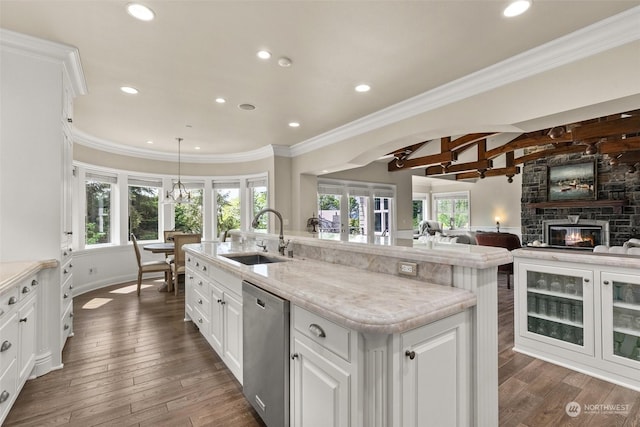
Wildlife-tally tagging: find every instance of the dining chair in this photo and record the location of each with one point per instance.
(150, 266)
(178, 267)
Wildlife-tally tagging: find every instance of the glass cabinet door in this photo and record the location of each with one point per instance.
(621, 318)
(559, 306)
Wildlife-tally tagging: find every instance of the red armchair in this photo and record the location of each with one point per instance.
(501, 240)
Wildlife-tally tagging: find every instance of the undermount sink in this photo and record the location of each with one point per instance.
(253, 259)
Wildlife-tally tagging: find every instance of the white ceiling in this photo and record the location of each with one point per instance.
(195, 51)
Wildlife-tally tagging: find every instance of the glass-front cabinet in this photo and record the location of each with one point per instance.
(559, 306)
(621, 318)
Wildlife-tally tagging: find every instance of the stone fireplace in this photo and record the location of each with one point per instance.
(616, 209)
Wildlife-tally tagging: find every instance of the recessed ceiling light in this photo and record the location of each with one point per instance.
(264, 54)
(284, 62)
(140, 12)
(221, 100)
(294, 124)
(247, 107)
(197, 148)
(363, 88)
(516, 8)
(128, 89)
(149, 142)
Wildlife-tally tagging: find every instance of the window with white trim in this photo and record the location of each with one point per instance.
(452, 210)
(99, 196)
(257, 197)
(143, 208)
(188, 216)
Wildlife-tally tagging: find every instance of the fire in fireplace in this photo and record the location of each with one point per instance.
(575, 233)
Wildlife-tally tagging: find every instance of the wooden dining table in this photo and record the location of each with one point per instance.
(160, 248)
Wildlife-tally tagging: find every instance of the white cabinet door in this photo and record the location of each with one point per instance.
(555, 306)
(621, 318)
(320, 390)
(435, 374)
(188, 294)
(233, 334)
(27, 331)
(216, 330)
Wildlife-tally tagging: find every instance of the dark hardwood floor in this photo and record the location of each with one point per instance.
(134, 362)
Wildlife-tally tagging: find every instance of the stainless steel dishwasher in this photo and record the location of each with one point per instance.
(265, 359)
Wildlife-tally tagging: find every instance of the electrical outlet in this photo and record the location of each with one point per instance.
(408, 268)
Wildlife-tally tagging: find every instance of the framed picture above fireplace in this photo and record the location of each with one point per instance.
(572, 182)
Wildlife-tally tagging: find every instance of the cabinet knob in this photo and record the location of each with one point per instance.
(188, 259)
(66, 326)
(411, 354)
(200, 283)
(71, 314)
(223, 302)
(65, 271)
(317, 330)
(200, 301)
(294, 356)
(197, 264)
(34, 282)
(606, 282)
(219, 301)
(26, 290)
(4, 396)
(5, 346)
(586, 280)
(69, 120)
(12, 300)
(204, 268)
(64, 253)
(66, 295)
(200, 320)
(190, 277)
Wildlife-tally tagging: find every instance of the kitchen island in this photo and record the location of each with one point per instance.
(401, 351)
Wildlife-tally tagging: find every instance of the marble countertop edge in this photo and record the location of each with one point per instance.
(15, 271)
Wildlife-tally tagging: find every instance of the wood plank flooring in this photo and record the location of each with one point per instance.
(135, 362)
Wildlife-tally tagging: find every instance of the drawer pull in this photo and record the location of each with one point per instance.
(223, 302)
(188, 259)
(190, 277)
(204, 268)
(65, 271)
(66, 326)
(317, 330)
(70, 286)
(586, 280)
(200, 320)
(5, 346)
(12, 300)
(200, 283)
(66, 295)
(200, 301)
(606, 282)
(411, 354)
(70, 265)
(64, 253)
(294, 356)
(24, 319)
(34, 282)
(26, 290)
(4, 396)
(197, 264)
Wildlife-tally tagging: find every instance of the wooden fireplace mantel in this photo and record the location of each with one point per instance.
(616, 204)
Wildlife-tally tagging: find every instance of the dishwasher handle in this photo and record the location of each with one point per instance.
(260, 303)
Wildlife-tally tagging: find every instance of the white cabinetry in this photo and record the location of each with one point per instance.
(18, 323)
(435, 374)
(323, 385)
(583, 316)
(213, 301)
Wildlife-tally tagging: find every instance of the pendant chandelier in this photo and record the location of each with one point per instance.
(178, 193)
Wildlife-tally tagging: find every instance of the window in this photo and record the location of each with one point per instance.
(188, 216)
(143, 208)
(418, 212)
(227, 201)
(452, 210)
(258, 200)
(368, 211)
(98, 188)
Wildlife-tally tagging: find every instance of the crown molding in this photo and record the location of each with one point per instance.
(607, 34)
(91, 141)
(39, 48)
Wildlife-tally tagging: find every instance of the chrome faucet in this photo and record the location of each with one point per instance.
(281, 243)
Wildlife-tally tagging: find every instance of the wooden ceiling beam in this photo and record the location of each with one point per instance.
(512, 170)
(468, 139)
(603, 129)
(569, 149)
(619, 145)
(449, 156)
(439, 170)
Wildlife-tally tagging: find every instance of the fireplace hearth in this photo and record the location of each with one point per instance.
(575, 233)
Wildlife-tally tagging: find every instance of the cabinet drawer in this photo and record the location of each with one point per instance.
(201, 302)
(197, 264)
(8, 300)
(324, 332)
(67, 323)
(8, 341)
(8, 388)
(201, 321)
(27, 287)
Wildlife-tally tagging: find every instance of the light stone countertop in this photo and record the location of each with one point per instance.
(580, 257)
(13, 272)
(361, 300)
